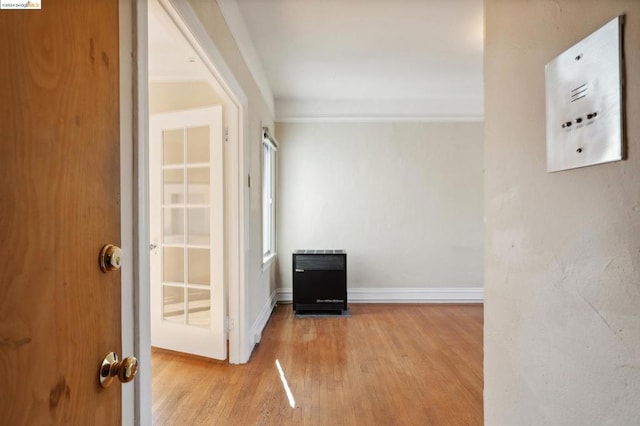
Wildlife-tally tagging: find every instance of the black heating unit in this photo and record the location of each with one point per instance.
(319, 280)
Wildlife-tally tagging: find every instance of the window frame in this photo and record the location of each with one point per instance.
(269, 196)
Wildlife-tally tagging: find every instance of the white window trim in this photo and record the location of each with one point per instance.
(269, 256)
(267, 261)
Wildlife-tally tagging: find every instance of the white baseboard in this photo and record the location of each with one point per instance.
(255, 333)
(284, 295)
(402, 295)
(415, 295)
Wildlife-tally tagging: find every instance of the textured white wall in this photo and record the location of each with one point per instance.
(404, 200)
(562, 250)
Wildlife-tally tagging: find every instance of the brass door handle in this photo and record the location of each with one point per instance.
(112, 367)
(110, 258)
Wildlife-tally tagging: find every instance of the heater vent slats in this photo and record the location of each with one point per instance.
(579, 92)
(320, 262)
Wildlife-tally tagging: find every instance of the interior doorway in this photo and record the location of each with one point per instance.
(183, 78)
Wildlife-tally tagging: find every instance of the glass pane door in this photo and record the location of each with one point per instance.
(188, 306)
(186, 256)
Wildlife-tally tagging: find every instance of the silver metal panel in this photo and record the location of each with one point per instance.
(584, 101)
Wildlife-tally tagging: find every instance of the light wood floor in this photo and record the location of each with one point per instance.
(385, 365)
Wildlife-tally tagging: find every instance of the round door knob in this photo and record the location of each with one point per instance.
(128, 369)
(110, 258)
(112, 367)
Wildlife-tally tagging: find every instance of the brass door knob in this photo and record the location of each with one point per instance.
(112, 367)
(110, 258)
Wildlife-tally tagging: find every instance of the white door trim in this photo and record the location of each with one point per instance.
(128, 83)
(142, 297)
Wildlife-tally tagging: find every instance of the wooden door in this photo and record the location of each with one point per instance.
(59, 204)
(188, 303)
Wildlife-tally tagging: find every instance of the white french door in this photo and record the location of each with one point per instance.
(188, 301)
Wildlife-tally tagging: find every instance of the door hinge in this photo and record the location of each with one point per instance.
(228, 323)
(248, 181)
(226, 135)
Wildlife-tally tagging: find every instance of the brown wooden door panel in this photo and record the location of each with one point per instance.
(59, 203)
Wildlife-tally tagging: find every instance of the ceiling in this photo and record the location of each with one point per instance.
(348, 59)
(171, 57)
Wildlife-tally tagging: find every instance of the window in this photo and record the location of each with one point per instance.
(269, 161)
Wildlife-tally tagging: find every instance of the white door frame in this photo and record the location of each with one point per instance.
(237, 232)
(126, 11)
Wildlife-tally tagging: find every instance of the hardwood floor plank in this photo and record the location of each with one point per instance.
(385, 365)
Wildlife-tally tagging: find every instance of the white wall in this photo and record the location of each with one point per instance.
(404, 200)
(177, 95)
(562, 250)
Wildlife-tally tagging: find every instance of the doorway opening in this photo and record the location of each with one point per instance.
(196, 224)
